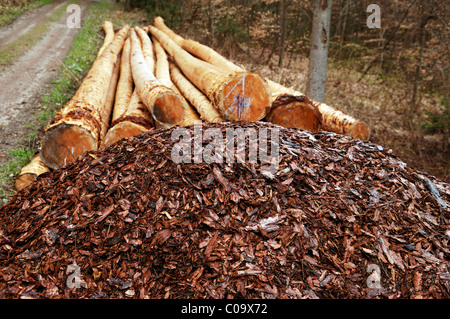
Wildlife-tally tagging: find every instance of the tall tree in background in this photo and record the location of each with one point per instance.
(211, 18)
(318, 57)
(282, 9)
(127, 6)
(426, 13)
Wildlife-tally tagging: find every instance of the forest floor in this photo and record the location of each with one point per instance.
(378, 101)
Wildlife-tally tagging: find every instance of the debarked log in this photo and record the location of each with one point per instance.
(78, 127)
(333, 120)
(133, 121)
(130, 116)
(198, 100)
(166, 106)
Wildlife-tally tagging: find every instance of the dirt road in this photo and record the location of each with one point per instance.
(23, 82)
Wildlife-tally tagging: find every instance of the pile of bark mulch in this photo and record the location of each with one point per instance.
(128, 222)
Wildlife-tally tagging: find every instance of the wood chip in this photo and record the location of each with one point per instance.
(139, 225)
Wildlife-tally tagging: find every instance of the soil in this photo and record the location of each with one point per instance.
(23, 82)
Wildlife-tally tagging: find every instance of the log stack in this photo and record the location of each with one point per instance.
(151, 77)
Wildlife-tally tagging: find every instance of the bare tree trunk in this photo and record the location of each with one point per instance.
(282, 31)
(127, 6)
(211, 17)
(344, 24)
(425, 16)
(318, 58)
(248, 19)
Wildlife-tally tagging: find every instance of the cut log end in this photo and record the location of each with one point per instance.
(24, 180)
(295, 115)
(62, 144)
(30, 172)
(122, 130)
(246, 97)
(295, 111)
(168, 110)
(360, 131)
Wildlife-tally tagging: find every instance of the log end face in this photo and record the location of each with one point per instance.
(360, 130)
(24, 180)
(295, 115)
(63, 143)
(246, 97)
(168, 110)
(123, 130)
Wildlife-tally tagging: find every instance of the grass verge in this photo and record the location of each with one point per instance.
(73, 69)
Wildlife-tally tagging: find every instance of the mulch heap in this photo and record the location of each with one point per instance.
(341, 218)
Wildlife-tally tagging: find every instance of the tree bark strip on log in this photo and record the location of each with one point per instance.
(78, 127)
(239, 96)
(30, 172)
(166, 107)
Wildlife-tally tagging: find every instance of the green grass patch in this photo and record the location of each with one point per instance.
(18, 158)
